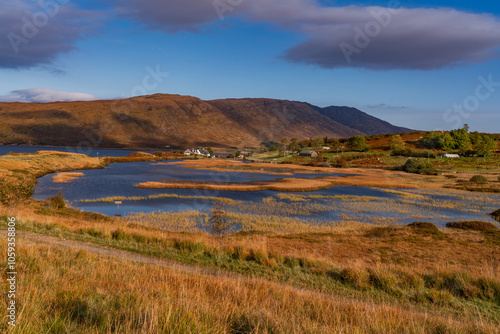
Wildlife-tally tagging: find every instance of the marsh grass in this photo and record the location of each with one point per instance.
(115, 295)
(461, 294)
(320, 209)
(286, 184)
(66, 177)
(395, 265)
(145, 198)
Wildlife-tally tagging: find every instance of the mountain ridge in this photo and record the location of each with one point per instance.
(155, 121)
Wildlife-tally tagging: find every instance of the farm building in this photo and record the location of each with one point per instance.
(196, 151)
(452, 156)
(308, 153)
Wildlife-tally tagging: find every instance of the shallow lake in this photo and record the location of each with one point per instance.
(92, 152)
(340, 203)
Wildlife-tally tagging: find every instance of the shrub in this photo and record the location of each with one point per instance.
(382, 280)
(472, 225)
(119, 234)
(218, 222)
(339, 163)
(355, 277)
(12, 193)
(381, 232)
(479, 179)
(56, 202)
(291, 262)
(419, 167)
(240, 253)
(92, 232)
(409, 152)
(358, 143)
(278, 257)
(140, 238)
(259, 256)
(496, 215)
(423, 227)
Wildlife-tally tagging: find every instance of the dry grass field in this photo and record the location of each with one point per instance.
(277, 275)
(355, 278)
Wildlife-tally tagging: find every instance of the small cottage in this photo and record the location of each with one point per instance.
(308, 153)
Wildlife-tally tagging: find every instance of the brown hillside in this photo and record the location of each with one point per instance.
(159, 120)
(269, 119)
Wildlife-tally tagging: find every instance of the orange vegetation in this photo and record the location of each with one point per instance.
(66, 177)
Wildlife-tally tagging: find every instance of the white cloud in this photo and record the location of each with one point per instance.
(44, 95)
(36, 32)
(407, 38)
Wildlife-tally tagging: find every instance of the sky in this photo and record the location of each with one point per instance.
(427, 65)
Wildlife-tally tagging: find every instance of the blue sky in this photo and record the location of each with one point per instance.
(428, 64)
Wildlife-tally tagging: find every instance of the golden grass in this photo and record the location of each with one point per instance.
(115, 295)
(404, 194)
(353, 177)
(29, 166)
(145, 198)
(386, 252)
(292, 184)
(66, 177)
(240, 166)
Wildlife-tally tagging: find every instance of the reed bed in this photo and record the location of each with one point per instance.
(239, 166)
(66, 177)
(145, 198)
(290, 184)
(270, 206)
(185, 221)
(366, 209)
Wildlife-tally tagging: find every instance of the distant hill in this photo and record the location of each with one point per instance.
(356, 119)
(158, 120)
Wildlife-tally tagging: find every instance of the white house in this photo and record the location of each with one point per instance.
(451, 156)
(196, 151)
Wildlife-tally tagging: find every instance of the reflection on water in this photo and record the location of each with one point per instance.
(336, 203)
(92, 152)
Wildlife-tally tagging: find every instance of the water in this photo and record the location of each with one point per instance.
(94, 152)
(368, 204)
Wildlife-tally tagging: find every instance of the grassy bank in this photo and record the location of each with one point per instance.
(117, 296)
(443, 280)
(278, 275)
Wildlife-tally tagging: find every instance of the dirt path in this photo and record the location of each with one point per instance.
(28, 237)
(101, 250)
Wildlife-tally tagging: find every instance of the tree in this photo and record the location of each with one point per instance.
(317, 142)
(284, 142)
(431, 140)
(397, 144)
(218, 223)
(334, 142)
(462, 139)
(294, 146)
(446, 142)
(485, 145)
(210, 150)
(358, 143)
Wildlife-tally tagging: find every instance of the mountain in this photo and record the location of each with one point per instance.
(158, 120)
(356, 119)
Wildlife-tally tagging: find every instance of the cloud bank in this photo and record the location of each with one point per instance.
(374, 38)
(32, 35)
(354, 36)
(44, 95)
